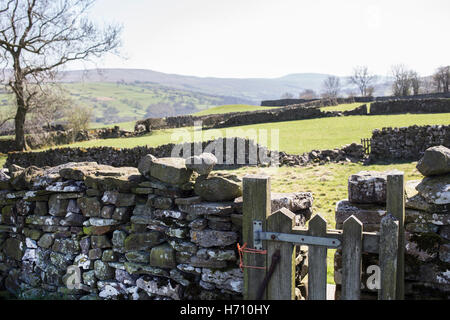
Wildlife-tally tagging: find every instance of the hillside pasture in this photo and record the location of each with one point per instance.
(295, 137)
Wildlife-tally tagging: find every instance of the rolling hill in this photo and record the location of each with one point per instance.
(122, 102)
(124, 95)
(253, 89)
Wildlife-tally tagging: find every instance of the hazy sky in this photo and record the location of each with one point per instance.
(272, 38)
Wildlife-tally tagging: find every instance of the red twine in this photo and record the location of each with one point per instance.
(243, 250)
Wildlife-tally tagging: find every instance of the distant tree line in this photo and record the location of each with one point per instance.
(405, 82)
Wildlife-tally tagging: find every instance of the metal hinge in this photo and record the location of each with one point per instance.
(259, 236)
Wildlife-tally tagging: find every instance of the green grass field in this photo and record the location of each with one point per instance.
(231, 108)
(295, 137)
(344, 107)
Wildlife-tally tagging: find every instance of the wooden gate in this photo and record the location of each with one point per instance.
(367, 145)
(270, 236)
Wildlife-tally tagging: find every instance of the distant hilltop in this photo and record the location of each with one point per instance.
(254, 89)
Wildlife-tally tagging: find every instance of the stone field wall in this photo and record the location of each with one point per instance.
(436, 105)
(407, 143)
(305, 110)
(284, 102)
(55, 138)
(166, 230)
(130, 157)
(287, 102)
(418, 96)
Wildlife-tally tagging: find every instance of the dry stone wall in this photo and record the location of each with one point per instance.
(436, 105)
(305, 110)
(414, 97)
(287, 102)
(160, 231)
(407, 143)
(130, 157)
(61, 137)
(284, 102)
(230, 152)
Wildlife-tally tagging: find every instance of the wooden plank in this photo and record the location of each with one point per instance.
(388, 258)
(282, 283)
(370, 239)
(351, 259)
(256, 206)
(317, 258)
(395, 205)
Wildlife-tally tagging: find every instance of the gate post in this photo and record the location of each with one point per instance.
(395, 205)
(256, 206)
(388, 258)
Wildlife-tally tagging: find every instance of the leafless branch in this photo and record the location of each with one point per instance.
(38, 37)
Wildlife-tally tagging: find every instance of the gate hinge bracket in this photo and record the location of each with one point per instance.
(259, 236)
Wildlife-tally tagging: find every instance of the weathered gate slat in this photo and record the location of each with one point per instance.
(388, 258)
(256, 206)
(395, 205)
(282, 283)
(317, 257)
(351, 259)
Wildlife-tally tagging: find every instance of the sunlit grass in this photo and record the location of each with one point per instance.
(231, 108)
(295, 137)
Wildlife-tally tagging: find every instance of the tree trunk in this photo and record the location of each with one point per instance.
(22, 107)
(21, 144)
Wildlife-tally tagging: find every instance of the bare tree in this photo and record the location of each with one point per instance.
(78, 118)
(442, 79)
(48, 106)
(5, 117)
(38, 37)
(415, 81)
(308, 94)
(331, 87)
(287, 95)
(363, 79)
(427, 85)
(402, 80)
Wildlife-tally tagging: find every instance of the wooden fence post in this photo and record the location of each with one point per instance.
(388, 258)
(282, 283)
(317, 258)
(256, 206)
(351, 259)
(395, 205)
